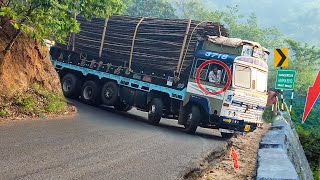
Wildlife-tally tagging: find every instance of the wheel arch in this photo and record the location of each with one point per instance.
(165, 97)
(65, 71)
(202, 103)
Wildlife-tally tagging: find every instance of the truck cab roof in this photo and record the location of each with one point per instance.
(235, 46)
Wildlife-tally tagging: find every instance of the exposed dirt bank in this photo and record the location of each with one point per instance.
(219, 165)
(246, 147)
(29, 85)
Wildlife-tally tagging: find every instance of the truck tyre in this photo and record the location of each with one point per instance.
(226, 135)
(90, 93)
(183, 114)
(120, 106)
(155, 111)
(70, 86)
(193, 120)
(109, 93)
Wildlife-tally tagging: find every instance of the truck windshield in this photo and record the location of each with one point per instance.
(261, 80)
(220, 77)
(242, 76)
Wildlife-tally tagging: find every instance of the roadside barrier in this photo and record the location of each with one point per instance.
(280, 154)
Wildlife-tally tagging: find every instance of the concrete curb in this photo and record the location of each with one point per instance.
(280, 155)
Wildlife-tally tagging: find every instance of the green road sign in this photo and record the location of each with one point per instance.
(285, 79)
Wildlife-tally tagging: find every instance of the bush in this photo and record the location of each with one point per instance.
(37, 100)
(268, 115)
(310, 138)
(4, 112)
(53, 103)
(26, 104)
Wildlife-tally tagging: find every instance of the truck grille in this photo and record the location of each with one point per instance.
(248, 108)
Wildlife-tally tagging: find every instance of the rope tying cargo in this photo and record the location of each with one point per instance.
(185, 54)
(133, 41)
(103, 36)
(183, 46)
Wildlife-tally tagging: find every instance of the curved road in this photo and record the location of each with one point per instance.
(99, 143)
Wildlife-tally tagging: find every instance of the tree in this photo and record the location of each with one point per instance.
(238, 25)
(151, 8)
(194, 9)
(52, 19)
(246, 27)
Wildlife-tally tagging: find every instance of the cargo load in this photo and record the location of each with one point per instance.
(148, 45)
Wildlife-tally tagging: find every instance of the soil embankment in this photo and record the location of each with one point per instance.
(246, 147)
(29, 85)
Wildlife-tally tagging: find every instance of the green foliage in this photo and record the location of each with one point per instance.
(53, 103)
(26, 103)
(306, 61)
(4, 112)
(247, 28)
(53, 19)
(151, 8)
(308, 132)
(239, 26)
(268, 115)
(310, 139)
(39, 100)
(196, 10)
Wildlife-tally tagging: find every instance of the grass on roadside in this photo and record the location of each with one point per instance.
(54, 103)
(35, 101)
(268, 115)
(4, 112)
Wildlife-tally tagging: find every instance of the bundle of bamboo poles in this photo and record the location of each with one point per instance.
(165, 44)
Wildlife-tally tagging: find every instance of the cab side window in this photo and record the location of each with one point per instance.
(204, 72)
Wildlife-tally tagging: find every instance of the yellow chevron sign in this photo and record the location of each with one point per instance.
(281, 58)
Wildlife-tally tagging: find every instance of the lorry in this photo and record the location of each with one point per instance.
(153, 65)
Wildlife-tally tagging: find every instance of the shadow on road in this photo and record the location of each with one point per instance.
(172, 129)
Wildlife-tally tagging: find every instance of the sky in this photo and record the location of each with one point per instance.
(295, 18)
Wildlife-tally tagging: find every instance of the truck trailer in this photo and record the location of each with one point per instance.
(152, 64)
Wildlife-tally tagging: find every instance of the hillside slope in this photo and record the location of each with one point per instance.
(29, 85)
(28, 62)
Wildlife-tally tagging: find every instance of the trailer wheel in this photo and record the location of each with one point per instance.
(120, 106)
(226, 135)
(90, 93)
(155, 111)
(70, 86)
(193, 120)
(109, 93)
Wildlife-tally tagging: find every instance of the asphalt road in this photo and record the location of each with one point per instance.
(99, 143)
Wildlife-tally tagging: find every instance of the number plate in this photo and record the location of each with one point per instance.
(226, 130)
(247, 128)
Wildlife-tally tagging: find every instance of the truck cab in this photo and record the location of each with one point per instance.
(240, 106)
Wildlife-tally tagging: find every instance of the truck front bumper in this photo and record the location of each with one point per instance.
(227, 124)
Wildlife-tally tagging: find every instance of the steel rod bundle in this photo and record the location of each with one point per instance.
(163, 44)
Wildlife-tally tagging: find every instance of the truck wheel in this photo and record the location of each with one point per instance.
(90, 93)
(193, 120)
(226, 135)
(109, 93)
(70, 86)
(155, 111)
(120, 106)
